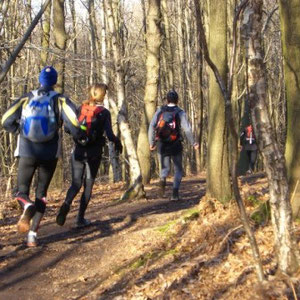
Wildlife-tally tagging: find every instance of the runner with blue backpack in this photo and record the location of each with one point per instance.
(36, 117)
(165, 134)
(95, 119)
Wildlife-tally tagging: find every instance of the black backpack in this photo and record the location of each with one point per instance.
(168, 125)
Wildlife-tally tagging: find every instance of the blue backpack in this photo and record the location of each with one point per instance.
(38, 119)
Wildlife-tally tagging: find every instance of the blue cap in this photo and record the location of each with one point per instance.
(48, 76)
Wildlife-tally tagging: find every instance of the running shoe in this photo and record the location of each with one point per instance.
(62, 214)
(31, 239)
(83, 223)
(24, 221)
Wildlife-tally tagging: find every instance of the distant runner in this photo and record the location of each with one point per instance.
(165, 131)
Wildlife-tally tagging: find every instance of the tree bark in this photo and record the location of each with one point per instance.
(153, 37)
(74, 38)
(281, 212)
(168, 46)
(226, 92)
(92, 21)
(218, 180)
(46, 26)
(181, 54)
(60, 37)
(290, 28)
(114, 159)
(136, 188)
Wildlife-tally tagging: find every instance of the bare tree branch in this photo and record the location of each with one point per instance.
(12, 58)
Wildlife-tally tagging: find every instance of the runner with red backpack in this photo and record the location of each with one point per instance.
(165, 131)
(249, 145)
(95, 120)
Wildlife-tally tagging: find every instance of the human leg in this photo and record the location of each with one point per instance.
(78, 168)
(178, 171)
(164, 172)
(46, 169)
(91, 170)
(252, 160)
(248, 157)
(26, 169)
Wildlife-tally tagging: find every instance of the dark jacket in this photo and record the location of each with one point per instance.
(65, 112)
(93, 148)
(248, 141)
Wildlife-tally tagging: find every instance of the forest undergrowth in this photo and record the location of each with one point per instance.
(147, 249)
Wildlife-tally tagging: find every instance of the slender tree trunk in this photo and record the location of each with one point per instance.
(136, 189)
(218, 180)
(290, 28)
(181, 53)
(45, 36)
(114, 159)
(60, 37)
(4, 9)
(74, 38)
(168, 46)
(92, 21)
(153, 43)
(285, 243)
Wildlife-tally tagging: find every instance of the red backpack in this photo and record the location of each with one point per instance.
(87, 116)
(167, 126)
(250, 137)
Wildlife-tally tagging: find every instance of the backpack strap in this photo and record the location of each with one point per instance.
(160, 115)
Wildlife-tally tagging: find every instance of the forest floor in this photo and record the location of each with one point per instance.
(152, 248)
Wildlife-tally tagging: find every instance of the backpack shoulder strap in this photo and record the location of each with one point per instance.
(160, 115)
(99, 109)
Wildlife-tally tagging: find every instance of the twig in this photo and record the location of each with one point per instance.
(229, 233)
(294, 192)
(293, 289)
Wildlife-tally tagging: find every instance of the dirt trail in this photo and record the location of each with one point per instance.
(81, 264)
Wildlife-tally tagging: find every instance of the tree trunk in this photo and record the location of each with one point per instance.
(74, 38)
(226, 92)
(168, 46)
(4, 9)
(218, 181)
(45, 37)
(60, 37)
(115, 173)
(290, 28)
(153, 37)
(285, 243)
(136, 189)
(92, 21)
(181, 53)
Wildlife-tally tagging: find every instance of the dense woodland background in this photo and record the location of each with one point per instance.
(142, 49)
(87, 55)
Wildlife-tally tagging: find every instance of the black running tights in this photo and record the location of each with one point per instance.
(83, 173)
(26, 169)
